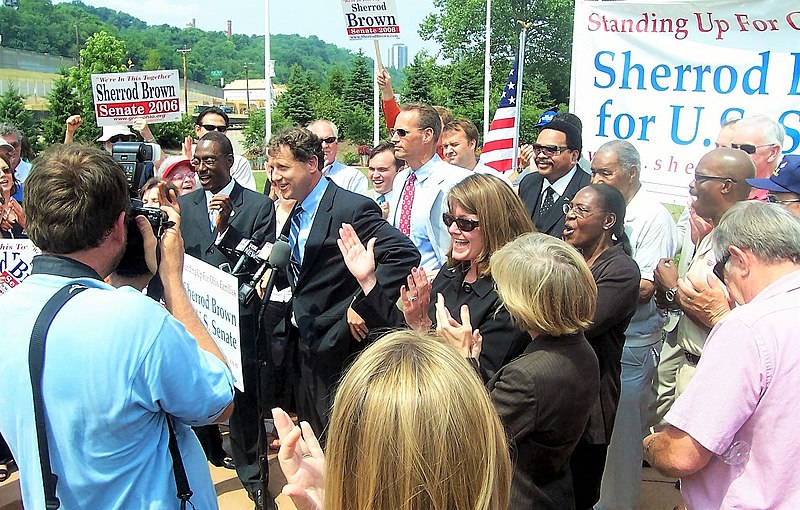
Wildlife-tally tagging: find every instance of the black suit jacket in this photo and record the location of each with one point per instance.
(325, 288)
(530, 191)
(253, 218)
(544, 398)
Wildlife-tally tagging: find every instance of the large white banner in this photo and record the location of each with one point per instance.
(213, 294)
(664, 75)
(121, 98)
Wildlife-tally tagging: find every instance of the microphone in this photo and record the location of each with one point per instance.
(278, 258)
(250, 251)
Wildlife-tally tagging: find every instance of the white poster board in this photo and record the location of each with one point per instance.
(213, 294)
(663, 75)
(15, 262)
(119, 98)
(370, 19)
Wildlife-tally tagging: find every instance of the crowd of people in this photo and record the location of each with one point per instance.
(446, 335)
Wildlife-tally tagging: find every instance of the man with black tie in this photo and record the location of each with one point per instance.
(557, 177)
(224, 211)
(322, 286)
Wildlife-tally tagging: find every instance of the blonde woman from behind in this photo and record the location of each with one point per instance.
(412, 428)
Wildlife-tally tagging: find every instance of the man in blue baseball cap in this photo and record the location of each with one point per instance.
(784, 184)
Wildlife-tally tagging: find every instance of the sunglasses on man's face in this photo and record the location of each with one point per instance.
(330, 140)
(719, 267)
(119, 138)
(548, 150)
(212, 127)
(402, 133)
(748, 147)
(463, 224)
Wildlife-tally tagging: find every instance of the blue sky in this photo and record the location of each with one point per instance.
(322, 18)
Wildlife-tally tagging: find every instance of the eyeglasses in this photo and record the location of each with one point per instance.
(749, 147)
(119, 138)
(548, 150)
(703, 177)
(330, 140)
(463, 224)
(719, 267)
(183, 175)
(212, 127)
(16, 144)
(402, 133)
(774, 200)
(209, 162)
(579, 210)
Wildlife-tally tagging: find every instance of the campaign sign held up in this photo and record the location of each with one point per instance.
(370, 19)
(119, 98)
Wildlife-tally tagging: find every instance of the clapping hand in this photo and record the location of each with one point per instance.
(302, 461)
(416, 297)
(360, 260)
(460, 335)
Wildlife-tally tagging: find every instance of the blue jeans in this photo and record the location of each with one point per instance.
(622, 476)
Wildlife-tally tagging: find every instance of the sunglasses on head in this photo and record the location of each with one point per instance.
(748, 147)
(719, 267)
(329, 140)
(463, 224)
(212, 127)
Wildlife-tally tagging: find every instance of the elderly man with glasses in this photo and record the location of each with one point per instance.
(347, 177)
(783, 186)
(761, 138)
(720, 181)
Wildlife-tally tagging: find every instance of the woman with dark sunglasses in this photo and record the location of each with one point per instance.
(484, 214)
(595, 226)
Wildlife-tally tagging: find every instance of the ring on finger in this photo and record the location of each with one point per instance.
(413, 298)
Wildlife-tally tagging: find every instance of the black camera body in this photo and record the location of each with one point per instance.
(133, 157)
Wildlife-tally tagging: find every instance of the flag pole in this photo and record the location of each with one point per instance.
(267, 78)
(487, 69)
(520, 66)
(376, 108)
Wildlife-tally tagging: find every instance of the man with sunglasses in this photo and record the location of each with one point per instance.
(783, 186)
(732, 435)
(557, 177)
(720, 181)
(347, 177)
(761, 138)
(214, 119)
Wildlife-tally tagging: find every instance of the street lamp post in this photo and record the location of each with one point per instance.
(247, 87)
(183, 52)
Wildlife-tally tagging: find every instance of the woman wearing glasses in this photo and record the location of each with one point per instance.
(595, 226)
(12, 217)
(484, 214)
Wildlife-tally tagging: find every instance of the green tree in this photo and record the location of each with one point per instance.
(170, 135)
(358, 89)
(13, 111)
(153, 61)
(420, 77)
(335, 83)
(296, 102)
(255, 131)
(358, 125)
(63, 102)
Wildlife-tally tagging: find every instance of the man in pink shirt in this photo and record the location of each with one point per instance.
(731, 436)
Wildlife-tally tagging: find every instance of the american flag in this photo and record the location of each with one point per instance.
(498, 151)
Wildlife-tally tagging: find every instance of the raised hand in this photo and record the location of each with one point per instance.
(360, 260)
(416, 298)
(302, 462)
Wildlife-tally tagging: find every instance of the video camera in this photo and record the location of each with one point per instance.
(250, 255)
(136, 160)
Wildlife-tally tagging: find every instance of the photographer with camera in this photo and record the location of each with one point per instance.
(223, 213)
(116, 380)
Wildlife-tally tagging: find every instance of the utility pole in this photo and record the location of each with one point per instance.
(77, 46)
(184, 51)
(247, 87)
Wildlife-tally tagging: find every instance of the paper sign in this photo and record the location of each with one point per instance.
(15, 261)
(213, 294)
(370, 19)
(120, 98)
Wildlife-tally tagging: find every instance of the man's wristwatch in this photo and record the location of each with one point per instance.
(670, 294)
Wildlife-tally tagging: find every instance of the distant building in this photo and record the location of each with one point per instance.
(398, 56)
(236, 93)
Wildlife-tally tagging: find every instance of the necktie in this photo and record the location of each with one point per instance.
(381, 199)
(294, 242)
(406, 201)
(547, 202)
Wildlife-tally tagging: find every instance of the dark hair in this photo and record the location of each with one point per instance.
(302, 143)
(428, 117)
(574, 138)
(572, 119)
(14, 181)
(611, 200)
(467, 126)
(384, 147)
(212, 109)
(73, 196)
(223, 141)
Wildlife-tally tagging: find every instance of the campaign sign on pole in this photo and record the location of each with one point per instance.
(213, 294)
(15, 262)
(370, 19)
(119, 98)
(664, 75)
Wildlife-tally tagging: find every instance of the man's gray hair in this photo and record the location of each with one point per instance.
(627, 155)
(8, 129)
(329, 123)
(769, 231)
(773, 132)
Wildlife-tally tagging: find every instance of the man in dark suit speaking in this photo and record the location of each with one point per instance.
(223, 209)
(322, 286)
(557, 176)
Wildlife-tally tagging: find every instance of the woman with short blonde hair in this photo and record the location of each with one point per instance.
(412, 428)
